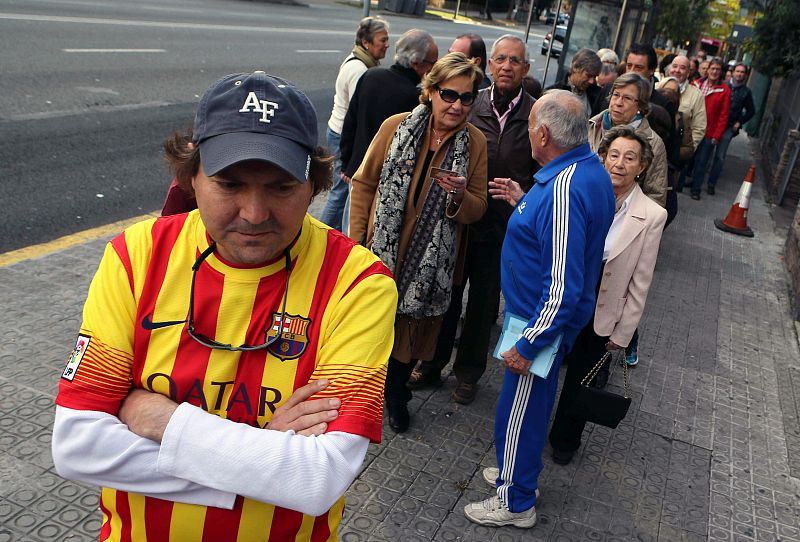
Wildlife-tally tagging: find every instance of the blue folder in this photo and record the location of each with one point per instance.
(513, 326)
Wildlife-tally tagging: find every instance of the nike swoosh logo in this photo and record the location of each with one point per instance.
(149, 325)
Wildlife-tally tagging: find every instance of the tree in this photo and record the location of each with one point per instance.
(776, 39)
(681, 20)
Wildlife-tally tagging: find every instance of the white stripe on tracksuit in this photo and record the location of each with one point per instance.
(544, 321)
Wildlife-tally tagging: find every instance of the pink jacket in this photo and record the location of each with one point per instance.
(629, 270)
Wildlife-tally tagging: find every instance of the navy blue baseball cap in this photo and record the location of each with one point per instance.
(255, 116)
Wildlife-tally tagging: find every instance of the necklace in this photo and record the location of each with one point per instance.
(437, 136)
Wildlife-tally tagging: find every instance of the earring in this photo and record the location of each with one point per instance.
(637, 177)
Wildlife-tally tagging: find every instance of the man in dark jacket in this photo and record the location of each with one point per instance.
(501, 113)
(742, 110)
(581, 80)
(386, 92)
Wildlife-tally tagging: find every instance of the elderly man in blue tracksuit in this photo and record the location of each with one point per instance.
(551, 259)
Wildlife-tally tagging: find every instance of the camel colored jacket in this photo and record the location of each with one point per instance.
(693, 107)
(628, 272)
(655, 183)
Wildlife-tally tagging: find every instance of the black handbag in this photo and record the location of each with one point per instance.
(600, 406)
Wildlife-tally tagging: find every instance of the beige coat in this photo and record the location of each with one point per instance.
(628, 271)
(693, 107)
(415, 339)
(656, 183)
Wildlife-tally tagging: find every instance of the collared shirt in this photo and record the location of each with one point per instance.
(616, 224)
(504, 117)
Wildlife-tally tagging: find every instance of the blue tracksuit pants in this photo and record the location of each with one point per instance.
(520, 432)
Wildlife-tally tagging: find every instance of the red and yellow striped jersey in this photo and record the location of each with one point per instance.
(340, 309)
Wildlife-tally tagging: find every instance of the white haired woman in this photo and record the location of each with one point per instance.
(411, 214)
(629, 105)
(372, 41)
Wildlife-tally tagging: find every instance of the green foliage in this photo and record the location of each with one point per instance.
(776, 39)
(681, 20)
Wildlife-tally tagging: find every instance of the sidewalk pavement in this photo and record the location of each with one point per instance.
(710, 449)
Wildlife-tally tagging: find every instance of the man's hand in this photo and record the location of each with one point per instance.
(505, 189)
(515, 362)
(147, 413)
(345, 178)
(306, 417)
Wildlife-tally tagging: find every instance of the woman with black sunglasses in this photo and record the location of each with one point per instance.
(422, 179)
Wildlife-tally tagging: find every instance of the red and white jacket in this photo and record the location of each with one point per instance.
(718, 105)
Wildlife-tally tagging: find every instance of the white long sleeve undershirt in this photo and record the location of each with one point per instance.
(206, 460)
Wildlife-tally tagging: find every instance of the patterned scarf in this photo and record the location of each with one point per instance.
(425, 281)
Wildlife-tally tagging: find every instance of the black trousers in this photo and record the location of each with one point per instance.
(482, 270)
(565, 434)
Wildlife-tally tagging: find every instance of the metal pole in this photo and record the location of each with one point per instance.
(619, 24)
(550, 47)
(530, 16)
(367, 4)
(458, 6)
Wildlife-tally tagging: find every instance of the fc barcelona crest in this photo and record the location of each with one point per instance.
(292, 336)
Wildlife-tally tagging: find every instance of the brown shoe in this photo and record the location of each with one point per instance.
(465, 393)
(424, 379)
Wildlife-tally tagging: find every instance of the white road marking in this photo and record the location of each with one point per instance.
(114, 50)
(69, 112)
(172, 25)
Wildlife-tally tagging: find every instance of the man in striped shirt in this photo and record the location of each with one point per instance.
(550, 262)
(228, 374)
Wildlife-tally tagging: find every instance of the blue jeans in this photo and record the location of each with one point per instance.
(701, 158)
(719, 157)
(339, 196)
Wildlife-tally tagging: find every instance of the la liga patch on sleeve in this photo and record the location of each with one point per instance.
(76, 357)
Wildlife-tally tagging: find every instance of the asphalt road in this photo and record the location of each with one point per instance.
(89, 89)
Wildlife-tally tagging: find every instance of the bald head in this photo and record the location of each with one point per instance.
(680, 68)
(557, 123)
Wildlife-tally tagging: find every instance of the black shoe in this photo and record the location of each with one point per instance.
(696, 197)
(711, 191)
(399, 418)
(424, 379)
(678, 189)
(562, 457)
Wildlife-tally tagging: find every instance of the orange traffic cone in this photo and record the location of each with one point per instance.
(736, 221)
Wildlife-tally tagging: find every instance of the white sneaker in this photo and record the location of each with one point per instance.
(493, 512)
(490, 474)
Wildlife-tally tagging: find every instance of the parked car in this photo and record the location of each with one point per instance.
(562, 18)
(558, 43)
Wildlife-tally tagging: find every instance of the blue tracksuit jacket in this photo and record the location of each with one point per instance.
(553, 249)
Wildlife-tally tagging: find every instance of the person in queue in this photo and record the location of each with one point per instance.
(413, 217)
(551, 256)
(629, 105)
(501, 113)
(372, 41)
(629, 259)
(228, 374)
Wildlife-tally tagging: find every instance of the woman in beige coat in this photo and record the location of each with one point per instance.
(629, 261)
(411, 215)
(629, 105)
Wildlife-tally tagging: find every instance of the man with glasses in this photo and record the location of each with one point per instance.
(501, 113)
(383, 92)
(229, 369)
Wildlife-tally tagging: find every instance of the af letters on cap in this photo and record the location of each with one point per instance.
(253, 104)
